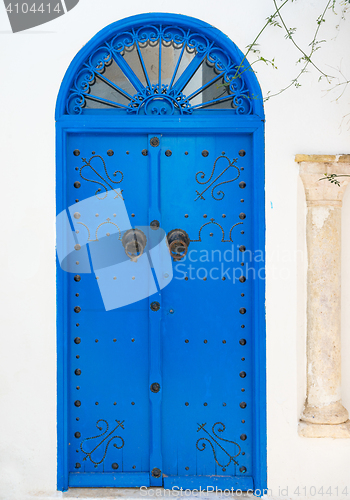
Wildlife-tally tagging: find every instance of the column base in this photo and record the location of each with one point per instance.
(331, 414)
(337, 431)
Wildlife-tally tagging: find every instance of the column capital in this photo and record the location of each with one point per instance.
(313, 167)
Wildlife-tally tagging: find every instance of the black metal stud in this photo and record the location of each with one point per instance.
(155, 224)
(242, 279)
(241, 152)
(155, 306)
(77, 309)
(168, 152)
(205, 153)
(243, 310)
(243, 405)
(242, 248)
(77, 435)
(242, 374)
(77, 184)
(243, 469)
(243, 437)
(77, 340)
(78, 371)
(144, 152)
(154, 142)
(115, 466)
(242, 215)
(77, 466)
(110, 152)
(242, 184)
(76, 152)
(155, 387)
(77, 403)
(156, 472)
(77, 277)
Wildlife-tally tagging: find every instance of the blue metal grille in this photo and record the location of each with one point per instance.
(160, 70)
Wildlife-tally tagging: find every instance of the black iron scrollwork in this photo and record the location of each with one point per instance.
(212, 221)
(105, 182)
(107, 221)
(105, 441)
(201, 443)
(217, 195)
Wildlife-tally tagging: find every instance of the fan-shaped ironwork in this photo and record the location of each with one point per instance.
(159, 70)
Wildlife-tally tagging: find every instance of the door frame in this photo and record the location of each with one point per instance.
(247, 124)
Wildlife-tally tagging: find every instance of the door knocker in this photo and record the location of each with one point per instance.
(134, 242)
(178, 242)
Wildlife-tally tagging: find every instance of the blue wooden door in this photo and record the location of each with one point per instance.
(108, 368)
(160, 244)
(196, 430)
(206, 317)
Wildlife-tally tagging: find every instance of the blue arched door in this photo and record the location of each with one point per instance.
(160, 242)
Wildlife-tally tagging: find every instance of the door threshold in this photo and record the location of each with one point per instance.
(145, 493)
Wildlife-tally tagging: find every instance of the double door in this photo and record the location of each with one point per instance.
(159, 364)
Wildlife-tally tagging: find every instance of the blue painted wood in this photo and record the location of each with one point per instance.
(160, 430)
(62, 309)
(155, 371)
(259, 316)
(209, 483)
(108, 480)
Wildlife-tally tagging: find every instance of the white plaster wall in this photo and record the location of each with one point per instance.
(303, 120)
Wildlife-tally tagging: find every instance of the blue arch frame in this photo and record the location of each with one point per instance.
(220, 121)
(220, 41)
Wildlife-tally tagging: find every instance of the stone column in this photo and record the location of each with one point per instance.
(323, 414)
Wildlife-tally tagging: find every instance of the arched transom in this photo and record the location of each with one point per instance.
(159, 70)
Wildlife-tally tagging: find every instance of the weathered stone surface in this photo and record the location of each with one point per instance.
(324, 199)
(324, 431)
(323, 158)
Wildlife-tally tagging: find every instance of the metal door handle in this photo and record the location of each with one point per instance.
(178, 242)
(134, 242)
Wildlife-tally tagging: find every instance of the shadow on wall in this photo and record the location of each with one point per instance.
(345, 284)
